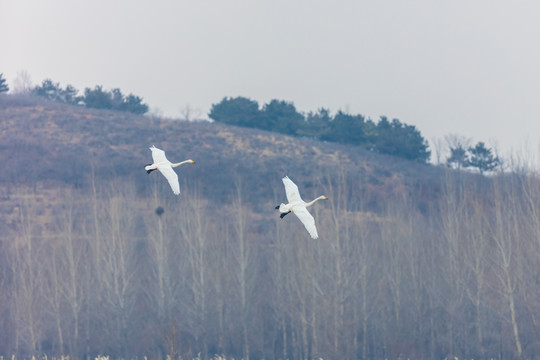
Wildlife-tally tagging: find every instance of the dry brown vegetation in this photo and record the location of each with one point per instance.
(413, 261)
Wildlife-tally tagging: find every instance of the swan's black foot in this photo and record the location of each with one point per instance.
(149, 171)
(277, 207)
(282, 215)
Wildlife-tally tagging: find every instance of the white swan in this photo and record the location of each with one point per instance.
(165, 167)
(298, 206)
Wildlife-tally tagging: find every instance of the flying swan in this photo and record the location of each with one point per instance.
(298, 207)
(166, 168)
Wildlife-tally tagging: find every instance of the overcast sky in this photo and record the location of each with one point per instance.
(468, 67)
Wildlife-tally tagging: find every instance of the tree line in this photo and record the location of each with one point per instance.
(386, 136)
(96, 98)
(119, 273)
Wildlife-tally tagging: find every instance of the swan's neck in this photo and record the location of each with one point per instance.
(182, 162)
(313, 202)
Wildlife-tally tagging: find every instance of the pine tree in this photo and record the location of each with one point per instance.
(3, 84)
(459, 158)
(482, 158)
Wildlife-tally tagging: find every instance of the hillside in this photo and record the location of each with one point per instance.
(412, 261)
(55, 145)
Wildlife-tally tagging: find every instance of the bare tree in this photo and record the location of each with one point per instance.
(243, 272)
(189, 113)
(474, 253)
(438, 150)
(71, 256)
(281, 275)
(28, 283)
(116, 266)
(531, 215)
(54, 297)
(344, 246)
(193, 231)
(163, 285)
(457, 150)
(507, 251)
(22, 83)
(453, 212)
(399, 246)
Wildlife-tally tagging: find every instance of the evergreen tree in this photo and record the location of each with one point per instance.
(459, 158)
(69, 94)
(346, 129)
(482, 158)
(398, 139)
(3, 84)
(282, 117)
(238, 111)
(97, 98)
(135, 105)
(316, 124)
(48, 89)
(114, 100)
(117, 100)
(54, 92)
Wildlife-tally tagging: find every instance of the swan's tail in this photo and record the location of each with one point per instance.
(282, 210)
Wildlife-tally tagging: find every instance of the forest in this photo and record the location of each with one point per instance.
(128, 276)
(413, 260)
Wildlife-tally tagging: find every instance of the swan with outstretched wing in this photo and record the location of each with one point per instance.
(165, 167)
(298, 206)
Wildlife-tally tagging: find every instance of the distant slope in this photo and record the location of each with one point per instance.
(53, 154)
(218, 272)
(50, 143)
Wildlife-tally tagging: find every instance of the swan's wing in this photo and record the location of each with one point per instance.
(291, 190)
(158, 155)
(309, 222)
(171, 176)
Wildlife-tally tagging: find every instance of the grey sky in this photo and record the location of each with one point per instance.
(464, 66)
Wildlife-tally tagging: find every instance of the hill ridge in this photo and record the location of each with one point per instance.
(59, 145)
